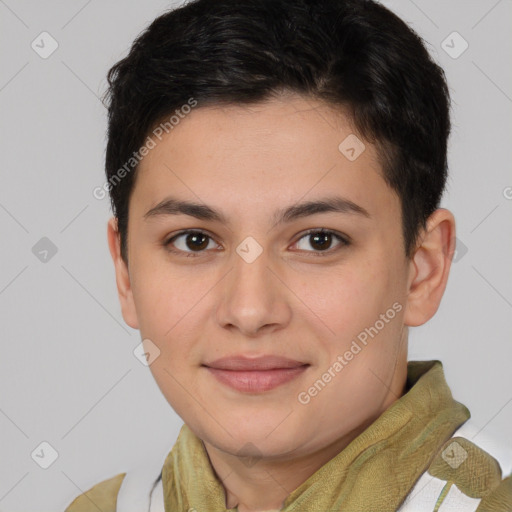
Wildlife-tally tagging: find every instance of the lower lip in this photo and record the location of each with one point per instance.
(257, 381)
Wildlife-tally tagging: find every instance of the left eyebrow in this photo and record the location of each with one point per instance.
(325, 205)
(173, 206)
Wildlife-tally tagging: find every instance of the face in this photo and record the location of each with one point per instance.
(258, 277)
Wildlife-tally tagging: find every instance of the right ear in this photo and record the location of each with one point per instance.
(124, 289)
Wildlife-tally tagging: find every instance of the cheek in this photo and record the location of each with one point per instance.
(353, 305)
(170, 307)
(158, 297)
(348, 296)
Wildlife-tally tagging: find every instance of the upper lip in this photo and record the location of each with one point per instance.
(241, 363)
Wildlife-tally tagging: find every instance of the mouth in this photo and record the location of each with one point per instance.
(255, 375)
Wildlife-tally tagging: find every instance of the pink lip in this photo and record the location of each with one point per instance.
(241, 362)
(255, 374)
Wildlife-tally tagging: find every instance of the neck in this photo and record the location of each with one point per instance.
(264, 485)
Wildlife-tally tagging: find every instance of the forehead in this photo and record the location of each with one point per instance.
(268, 128)
(277, 151)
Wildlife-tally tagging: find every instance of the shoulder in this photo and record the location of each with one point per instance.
(138, 488)
(488, 444)
(470, 472)
(102, 496)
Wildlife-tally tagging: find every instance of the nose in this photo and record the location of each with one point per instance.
(253, 296)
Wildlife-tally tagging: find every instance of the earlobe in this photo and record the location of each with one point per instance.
(124, 289)
(430, 267)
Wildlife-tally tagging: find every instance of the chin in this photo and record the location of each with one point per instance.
(257, 442)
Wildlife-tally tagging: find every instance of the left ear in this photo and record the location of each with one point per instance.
(430, 267)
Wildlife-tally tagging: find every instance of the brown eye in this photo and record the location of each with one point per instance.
(321, 240)
(189, 242)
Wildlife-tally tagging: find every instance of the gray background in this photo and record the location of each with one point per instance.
(68, 375)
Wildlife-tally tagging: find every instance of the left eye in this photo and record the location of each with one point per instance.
(321, 240)
(198, 241)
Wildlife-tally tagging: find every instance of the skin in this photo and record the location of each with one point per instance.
(248, 162)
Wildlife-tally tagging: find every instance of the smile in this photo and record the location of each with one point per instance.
(256, 381)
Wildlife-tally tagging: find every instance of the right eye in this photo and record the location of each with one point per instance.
(188, 242)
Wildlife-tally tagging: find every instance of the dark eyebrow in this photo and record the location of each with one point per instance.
(172, 206)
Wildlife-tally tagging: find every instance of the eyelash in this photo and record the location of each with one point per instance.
(344, 242)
